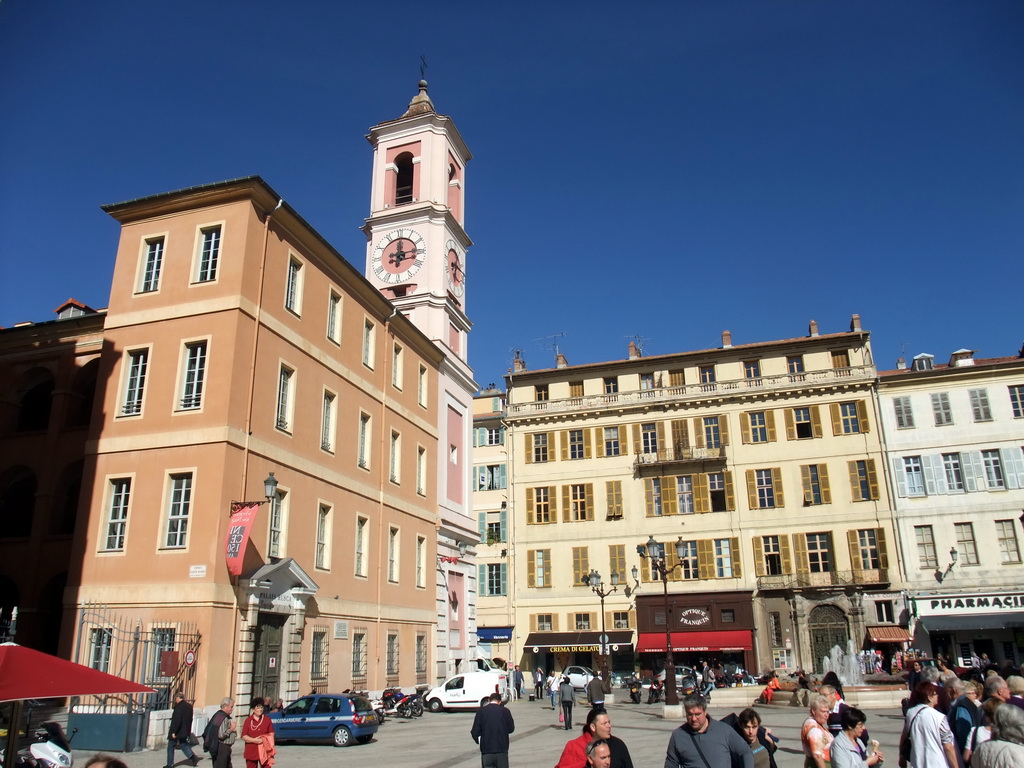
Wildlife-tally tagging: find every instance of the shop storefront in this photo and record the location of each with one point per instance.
(959, 624)
(494, 642)
(558, 650)
(715, 627)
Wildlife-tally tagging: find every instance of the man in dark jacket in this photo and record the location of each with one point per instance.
(491, 728)
(705, 743)
(180, 731)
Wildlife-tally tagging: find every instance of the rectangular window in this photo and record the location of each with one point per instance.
(717, 492)
(758, 427)
(815, 484)
(396, 366)
(495, 436)
(293, 287)
(579, 503)
(613, 492)
(707, 378)
(209, 255)
(545, 622)
(421, 470)
(421, 657)
(358, 655)
(576, 444)
(540, 393)
(611, 385)
(153, 263)
(361, 546)
(580, 565)
(117, 514)
(712, 432)
(495, 579)
(904, 413)
(334, 317)
(100, 642)
(541, 504)
(803, 424)
(868, 557)
(655, 506)
(392, 554)
(772, 548)
(369, 334)
(941, 410)
(327, 422)
(421, 387)
(914, 475)
(795, 367)
(689, 562)
(284, 398)
(979, 404)
(841, 361)
(395, 458)
(723, 558)
(318, 655)
(582, 620)
(849, 418)
(540, 447)
(421, 562)
(884, 613)
(994, 477)
(926, 554)
(363, 457)
(775, 627)
(819, 552)
(752, 372)
(611, 441)
(1017, 400)
(765, 488)
(135, 383)
(392, 655)
(1006, 533)
(275, 541)
(620, 619)
(538, 568)
(684, 494)
(648, 438)
(575, 389)
(491, 477)
(965, 543)
(195, 375)
(178, 508)
(163, 640)
(323, 536)
(863, 480)
(954, 471)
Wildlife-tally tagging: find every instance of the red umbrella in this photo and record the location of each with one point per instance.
(29, 674)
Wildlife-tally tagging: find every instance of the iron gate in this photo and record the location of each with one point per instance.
(827, 627)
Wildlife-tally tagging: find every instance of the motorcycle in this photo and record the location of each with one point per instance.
(654, 692)
(51, 749)
(635, 689)
(401, 704)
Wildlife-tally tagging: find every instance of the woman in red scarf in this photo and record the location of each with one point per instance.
(256, 727)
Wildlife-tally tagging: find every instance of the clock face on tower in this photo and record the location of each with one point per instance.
(398, 256)
(456, 270)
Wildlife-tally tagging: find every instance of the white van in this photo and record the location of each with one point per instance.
(469, 690)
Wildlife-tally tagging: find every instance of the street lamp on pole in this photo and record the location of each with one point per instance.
(654, 552)
(594, 580)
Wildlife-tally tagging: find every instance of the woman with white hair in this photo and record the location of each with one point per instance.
(1006, 749)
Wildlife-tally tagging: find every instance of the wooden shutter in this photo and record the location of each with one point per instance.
(698, 433)
(649, 497)
(638, 446)
(837, 418)
(566, 504)
(815, 421)
(862, 416)
(588, 452)
(481, 579)
(553, 503)
(737, 568)
(730, 497)
(826, 490)
(589, 496)
(531, 573)
(675, 379)
(563, 443)
(669, 500)
(599, 442)
(530, 510)
(701, 496)
(680, 436)
(503, 517)
(787, 559)
(872, 479)
(800, 553)
(759, 569)
(528, 454)
(745, 435)
(805, 482)
(780, 499)
(883, 550)
(752, 489)
(533, 622)
(554, 622)
(853, 541)
(855, 493)
(706, 559)
(790, 424)
(769, 420)
(623, 443)
(482, 521)
(723, 429)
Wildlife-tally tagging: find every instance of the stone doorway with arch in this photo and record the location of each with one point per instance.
(827, 627)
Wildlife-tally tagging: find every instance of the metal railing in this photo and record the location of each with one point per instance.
(676, 455)
(826, 579)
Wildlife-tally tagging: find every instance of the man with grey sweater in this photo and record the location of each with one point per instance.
(705, 743)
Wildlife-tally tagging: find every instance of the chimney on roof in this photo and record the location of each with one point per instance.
(634, 351)
(901, 364)
(855, 323)
(518, 364)
(726, 339)
(812, 329)
(560, 361)
(961, 358)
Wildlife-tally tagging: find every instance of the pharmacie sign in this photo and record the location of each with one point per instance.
(950, 605)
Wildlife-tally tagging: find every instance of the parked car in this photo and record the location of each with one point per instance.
(335, 717)
(466, 691)
(579, 676)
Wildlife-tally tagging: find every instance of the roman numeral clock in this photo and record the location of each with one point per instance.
(398, 256)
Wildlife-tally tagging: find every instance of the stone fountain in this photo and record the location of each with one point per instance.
(845, 664)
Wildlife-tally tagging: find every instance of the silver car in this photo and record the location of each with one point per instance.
(579, 676)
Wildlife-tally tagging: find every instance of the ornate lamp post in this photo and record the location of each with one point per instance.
(594, 580)
(661, 569)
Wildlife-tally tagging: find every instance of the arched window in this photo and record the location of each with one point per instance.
(17, 502)
(82, 394)
(64, 509)
(403, 184)
(35, 397)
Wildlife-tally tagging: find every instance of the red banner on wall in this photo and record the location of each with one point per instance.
(242, 516)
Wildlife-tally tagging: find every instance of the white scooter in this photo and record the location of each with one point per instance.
(51, 749)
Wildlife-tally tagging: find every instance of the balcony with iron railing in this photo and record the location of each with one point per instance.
(677, 454)
(827, 579)
(700, 391)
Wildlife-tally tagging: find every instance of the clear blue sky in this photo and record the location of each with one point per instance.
(655, 169)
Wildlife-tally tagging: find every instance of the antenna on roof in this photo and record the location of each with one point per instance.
(423, 66)
(551, 342)
(638, 342)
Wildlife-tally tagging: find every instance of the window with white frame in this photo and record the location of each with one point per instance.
(712, 432)
(582, 620)
(293, 287)
(361, 542)
(758, 427)
(396, 457)
(101, 641)
(421, 562)
(135, 381)
(334, 317)
(323, 536)
(994, 477)
(795, 367)
(904, 413)
(954, 472)
(966, 545)
(540, 447)
(284, 398)
(195, 375)
(884, 612)
(868, 556)
(620, 620)
(495, 436)
(491, 477)
(392, 554)
(278, 521)
(359, 654)
(576, 447)
(612, 447)
(495, 584)
(369, 335)
(941, 410)
(163, 639)
(849, 417)
(723, 558)
(765, 486)
(117, 514)
(209, 254)
(655, 508)
(979, 404)
(772, 550)
(152, 264)
(914, 475)
(421, 470)
(363, 456)
(649, 438)
(1006, 533)
(545, 621)
(717, 492)
(421, 656)
(689, 562)
(684, 494)
(1017, 400)
(327, 420)
(392, 654)
(926, 554)
(819, 552)
(179, 506)
(318, 655)
(396, 366)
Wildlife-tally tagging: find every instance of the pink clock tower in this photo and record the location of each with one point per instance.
(416, 256)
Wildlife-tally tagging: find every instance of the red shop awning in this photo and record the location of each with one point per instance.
(889, 633)
(717, 640)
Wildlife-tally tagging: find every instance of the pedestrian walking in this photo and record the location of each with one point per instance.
(180, 732)
(595, 692)
(220, 734)
(598, 727)
(1006, 748)
(517, 681)
(931, 739)
(814, 734)
(258, 735)
(762, 743)
(552, 685)
(538, 684)
(491, 728)
(566, 697)
(848, 748)
(702, 742)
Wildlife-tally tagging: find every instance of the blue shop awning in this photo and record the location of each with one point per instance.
(494, 634)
